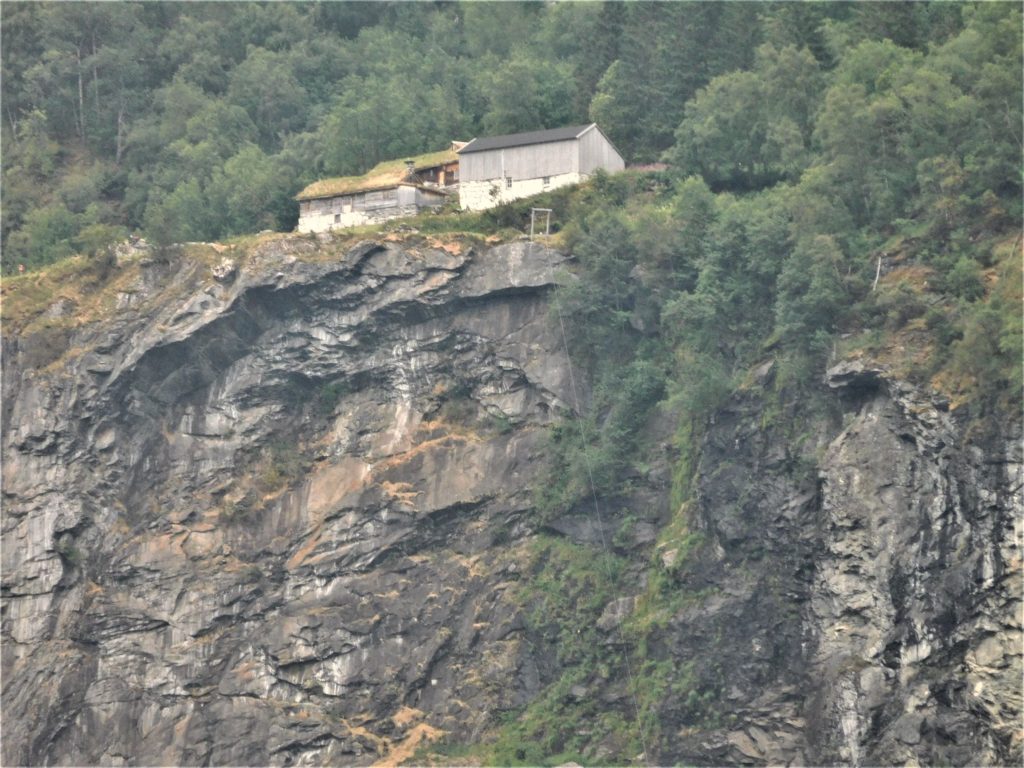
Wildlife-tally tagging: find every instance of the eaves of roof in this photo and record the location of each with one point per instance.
(525, 139)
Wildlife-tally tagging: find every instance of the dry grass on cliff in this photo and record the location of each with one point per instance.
(68, 293)
(923, 329)
(45, 308)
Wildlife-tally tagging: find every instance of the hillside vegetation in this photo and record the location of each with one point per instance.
(842, 177)
(843, 181)
(200, 121)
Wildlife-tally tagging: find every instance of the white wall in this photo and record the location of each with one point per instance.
(325, 221)
(481, 195)
(483, 175)
(365, 208)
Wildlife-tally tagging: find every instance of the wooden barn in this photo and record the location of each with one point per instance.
(390, 190)
(496, 169)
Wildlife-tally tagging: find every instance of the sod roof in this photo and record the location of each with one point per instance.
(385, 175)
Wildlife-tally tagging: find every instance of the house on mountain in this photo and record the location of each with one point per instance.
(497, 169)
(390, 190)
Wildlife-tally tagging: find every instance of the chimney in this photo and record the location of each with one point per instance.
(410, 168)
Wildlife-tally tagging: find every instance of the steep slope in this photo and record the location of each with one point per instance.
(865, 584)
(270, 521)
(278, 508)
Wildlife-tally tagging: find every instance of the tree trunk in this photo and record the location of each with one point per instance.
(95, 81)
(81, 95)
(120, 134)
(14, 124)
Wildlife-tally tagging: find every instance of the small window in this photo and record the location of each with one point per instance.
(337, 218)
(547, 181)
(508, 182)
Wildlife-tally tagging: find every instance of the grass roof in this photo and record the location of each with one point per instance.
(382, 176)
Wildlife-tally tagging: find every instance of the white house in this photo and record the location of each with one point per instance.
(496, 169)
(390, 190)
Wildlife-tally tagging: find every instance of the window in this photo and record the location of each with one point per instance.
(508, 182)
(337, 218)
(546, 181)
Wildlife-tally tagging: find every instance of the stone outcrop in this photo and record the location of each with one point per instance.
(866, 585)
(268, 519)
(277, 510)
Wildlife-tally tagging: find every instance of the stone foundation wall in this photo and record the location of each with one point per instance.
(481, 195)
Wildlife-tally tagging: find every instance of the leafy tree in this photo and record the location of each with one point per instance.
(45, 237)
(34, 152)
(811, 295)
(598, 307)
(667, 52)
(264, 85)
(190, 49)
(751, 129)
(734, 297)
(527, 94)
(22, 47)
(496, 28)
(600, 47)
(255, 190)
(183, 215)
(723, 134)
(669, 238)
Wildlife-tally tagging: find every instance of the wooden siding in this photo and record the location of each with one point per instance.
(597, 152)
(530, 162)
(322, 214)
(583, 155)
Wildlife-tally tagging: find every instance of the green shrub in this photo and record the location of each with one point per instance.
(330, 395)
(964, 280)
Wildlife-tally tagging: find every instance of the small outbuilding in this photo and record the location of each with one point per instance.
(391, 190)
(497, 169)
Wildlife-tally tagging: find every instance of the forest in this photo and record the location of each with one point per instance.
(808, 145)
(196, 121)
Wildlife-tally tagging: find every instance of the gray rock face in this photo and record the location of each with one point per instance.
(866, 589)
(266, 522)
(275, 511)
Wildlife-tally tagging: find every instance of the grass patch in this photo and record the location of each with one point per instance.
(569, 587)
(87, 284)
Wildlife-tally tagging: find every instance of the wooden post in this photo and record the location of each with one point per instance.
(547, 223)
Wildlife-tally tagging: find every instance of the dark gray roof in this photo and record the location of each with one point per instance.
(523, 139)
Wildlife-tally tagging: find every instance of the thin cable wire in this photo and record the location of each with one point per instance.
(598, 516)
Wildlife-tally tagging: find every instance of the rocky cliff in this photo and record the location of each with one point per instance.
(277, 508)
(865, 579)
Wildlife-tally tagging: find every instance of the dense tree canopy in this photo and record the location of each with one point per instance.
(203, 120)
